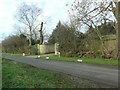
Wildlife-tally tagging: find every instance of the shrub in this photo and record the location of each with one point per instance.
(34, 50)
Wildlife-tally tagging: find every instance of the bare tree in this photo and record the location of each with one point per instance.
(15, 44)
(28, 15)
(91, 13)
(115, 9)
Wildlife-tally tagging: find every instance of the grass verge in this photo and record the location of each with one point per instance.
(15, 54)
(18, 75)
(97, 61)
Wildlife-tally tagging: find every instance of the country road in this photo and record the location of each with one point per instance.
(104, 75)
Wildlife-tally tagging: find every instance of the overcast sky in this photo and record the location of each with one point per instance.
(54, 10)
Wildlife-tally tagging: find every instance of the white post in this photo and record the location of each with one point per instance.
(38, 51)
(56, 48)
(23, 54)
(59, 54)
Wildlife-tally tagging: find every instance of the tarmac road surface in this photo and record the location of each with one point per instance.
(104, 75)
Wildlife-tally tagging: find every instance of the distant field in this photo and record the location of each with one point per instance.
(97, 61)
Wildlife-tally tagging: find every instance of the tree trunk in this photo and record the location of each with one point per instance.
(30, 41)
(41, 34)
(118, 31)
(103, 48)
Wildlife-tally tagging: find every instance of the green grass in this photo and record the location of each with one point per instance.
(15, 54)
(0, 74)
(97, 61)
(18, 75)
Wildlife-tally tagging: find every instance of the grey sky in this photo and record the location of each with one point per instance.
(53, 10)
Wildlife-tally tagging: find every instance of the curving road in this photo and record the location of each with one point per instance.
(104, 75)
